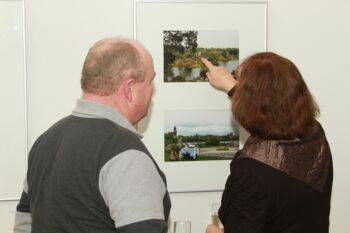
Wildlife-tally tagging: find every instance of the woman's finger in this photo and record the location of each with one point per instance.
(207, 63)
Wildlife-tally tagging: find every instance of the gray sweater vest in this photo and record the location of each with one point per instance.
(63, 174)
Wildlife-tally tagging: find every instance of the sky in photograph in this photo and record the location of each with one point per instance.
(217, 39)
(201, 122)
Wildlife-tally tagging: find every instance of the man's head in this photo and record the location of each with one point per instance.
(118, 72)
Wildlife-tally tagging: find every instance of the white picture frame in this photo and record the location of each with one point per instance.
(151, 18)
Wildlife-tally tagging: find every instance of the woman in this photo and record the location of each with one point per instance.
(281, 179)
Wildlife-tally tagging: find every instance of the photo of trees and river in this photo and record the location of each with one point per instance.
(197, 135)
(183, 50)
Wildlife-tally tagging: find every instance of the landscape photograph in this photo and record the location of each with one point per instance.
(183, 50)
(197, 135)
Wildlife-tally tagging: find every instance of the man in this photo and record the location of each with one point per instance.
(90, 172)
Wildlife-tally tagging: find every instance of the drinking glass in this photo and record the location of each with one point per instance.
(182, 227)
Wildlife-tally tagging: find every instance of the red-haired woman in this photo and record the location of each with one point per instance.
(281, 180)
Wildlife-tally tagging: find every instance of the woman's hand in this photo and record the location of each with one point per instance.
(214, 229)
(219, 77)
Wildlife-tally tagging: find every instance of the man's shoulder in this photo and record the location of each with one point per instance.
(96, 126)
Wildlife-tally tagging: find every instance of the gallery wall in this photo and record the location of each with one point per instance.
(311, 33)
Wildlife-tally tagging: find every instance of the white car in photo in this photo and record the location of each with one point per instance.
(189, 152)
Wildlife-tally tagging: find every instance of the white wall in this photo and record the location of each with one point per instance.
(313, 34)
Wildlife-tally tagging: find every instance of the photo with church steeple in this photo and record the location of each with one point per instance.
(197, 135)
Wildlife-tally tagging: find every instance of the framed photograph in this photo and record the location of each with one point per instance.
(183, 50)
(200, 135)
(13, 145)
(177, 34)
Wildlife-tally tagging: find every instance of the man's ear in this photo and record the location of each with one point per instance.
(126, 89)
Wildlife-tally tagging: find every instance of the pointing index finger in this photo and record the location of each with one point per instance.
(207, 63)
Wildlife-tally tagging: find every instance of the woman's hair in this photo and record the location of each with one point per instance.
(271, 100)
(108, 63)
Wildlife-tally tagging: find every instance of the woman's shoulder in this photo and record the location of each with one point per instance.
(307, 159)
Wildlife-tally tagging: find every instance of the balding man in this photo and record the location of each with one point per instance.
(90, 172)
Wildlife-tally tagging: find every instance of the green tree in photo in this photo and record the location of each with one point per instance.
(176, 42)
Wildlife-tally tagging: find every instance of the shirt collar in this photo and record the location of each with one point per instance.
(91, 109)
